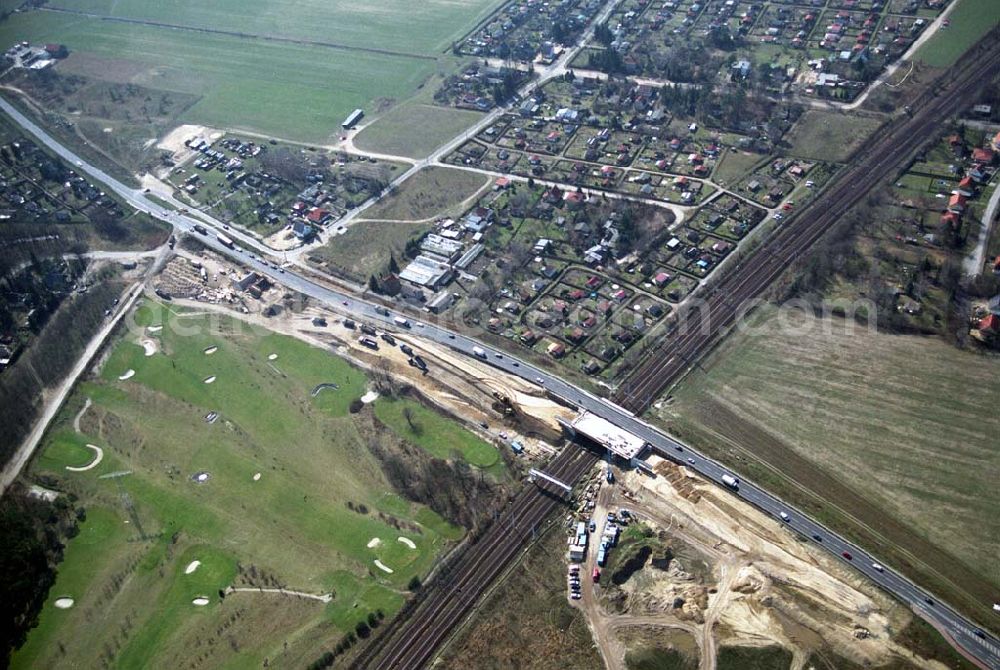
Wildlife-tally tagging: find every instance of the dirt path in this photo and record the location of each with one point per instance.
(973, 263)
(54, 398)
(612, 651)
(79, 415)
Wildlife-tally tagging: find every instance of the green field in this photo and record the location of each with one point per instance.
(291, 90)
(365, 248)
(734, 166)
(425, 28)
(829, 136)
(305, 524)
(970, 20)
(414, 129)
(439, 436)
(656, 658)
(433, 191)
(897, 432)
(753, 658)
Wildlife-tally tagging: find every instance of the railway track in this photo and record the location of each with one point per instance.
(748, 280)
(451, 596)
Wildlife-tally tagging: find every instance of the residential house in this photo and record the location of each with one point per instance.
(983, 155)
(303, 231)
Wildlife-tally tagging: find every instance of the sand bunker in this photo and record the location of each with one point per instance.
(272, 357)
(407, 541)
(369, 397)
(128, 375)
(149, 347)
(200, 601)
(383, 567)
(374, 542)
(154, 329)
(98, 455)
(64, 603)
(192, 566)
(211, 350)
(256, 477)
(201, 477)
(209, 380)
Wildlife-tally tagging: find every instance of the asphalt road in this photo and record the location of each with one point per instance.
(961, 630)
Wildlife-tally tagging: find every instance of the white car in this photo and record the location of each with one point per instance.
(878, 567)
(539, 380)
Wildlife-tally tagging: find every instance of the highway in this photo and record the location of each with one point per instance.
(962, 632)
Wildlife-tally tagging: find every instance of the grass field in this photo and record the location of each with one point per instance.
(829, 136)
(290, 90)
(414, 129)
(426, 28)
(365, 248)
(436, 434)
(433, 191)
(895, 431)
(735, 165)
(753, 658)
(656, 658)
(970, 20)
(305, 524)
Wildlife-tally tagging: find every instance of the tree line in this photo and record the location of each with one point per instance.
(48, 360)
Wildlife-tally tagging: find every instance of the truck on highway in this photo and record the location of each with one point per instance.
(200, 229)
(731, 482)
(224, 240)
(479, 352)
(402, 322)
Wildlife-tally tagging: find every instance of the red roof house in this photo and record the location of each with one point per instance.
(982, 155)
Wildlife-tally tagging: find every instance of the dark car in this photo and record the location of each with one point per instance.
(817, 538)
(847, 555)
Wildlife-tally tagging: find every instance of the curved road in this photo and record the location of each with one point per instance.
(962, 632)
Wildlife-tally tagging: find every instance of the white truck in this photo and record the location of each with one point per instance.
(479, 352)
(731, 482)
(224, 240)
(402, 322)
